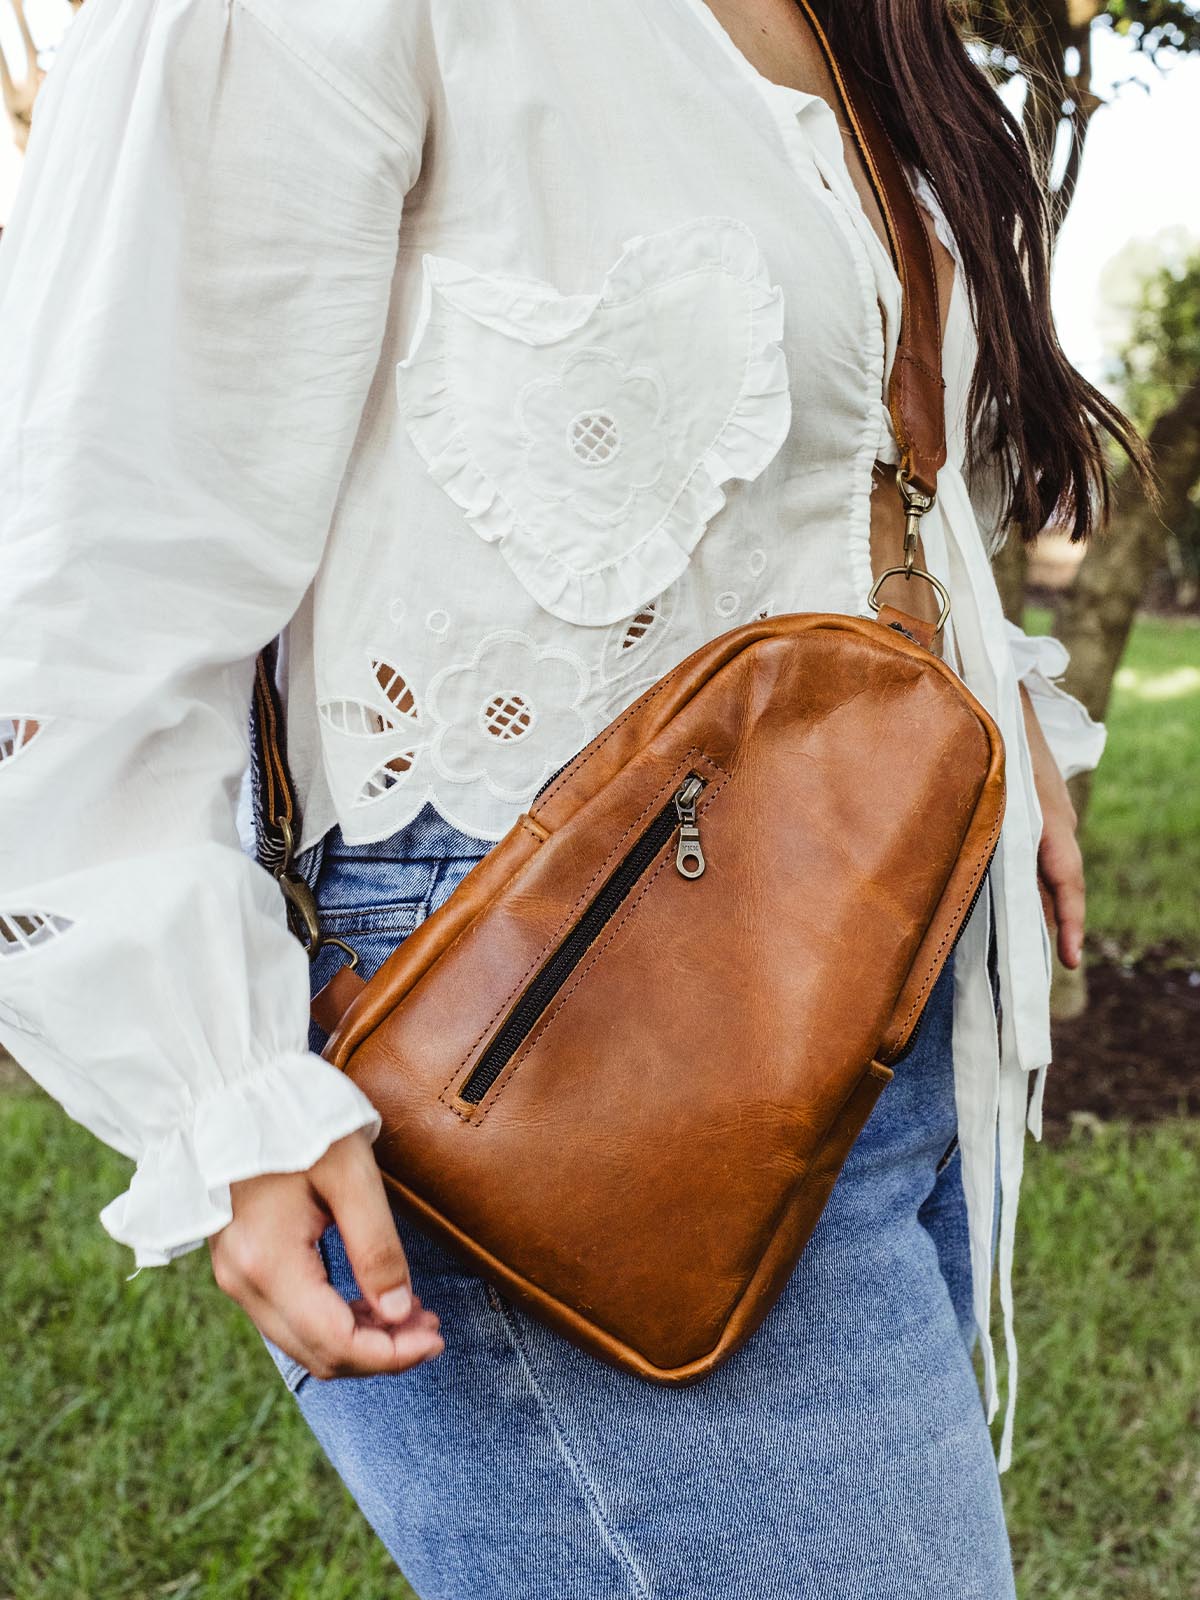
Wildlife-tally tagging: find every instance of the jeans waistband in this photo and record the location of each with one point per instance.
(428, 837)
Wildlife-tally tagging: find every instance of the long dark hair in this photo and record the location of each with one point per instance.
(1029, 408)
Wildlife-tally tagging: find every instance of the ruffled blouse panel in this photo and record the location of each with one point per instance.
(590, 436)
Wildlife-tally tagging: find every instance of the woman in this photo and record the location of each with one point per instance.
(503, 355)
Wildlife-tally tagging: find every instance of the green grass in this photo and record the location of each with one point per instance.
(1142, 838)
(147, 1448)
(1104, 1493)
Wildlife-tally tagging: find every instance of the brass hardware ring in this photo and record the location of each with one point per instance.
(943, 594)
(331, 939)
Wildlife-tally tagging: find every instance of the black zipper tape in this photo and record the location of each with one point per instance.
(553, 975)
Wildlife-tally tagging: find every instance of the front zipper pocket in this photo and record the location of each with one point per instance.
(679, 813)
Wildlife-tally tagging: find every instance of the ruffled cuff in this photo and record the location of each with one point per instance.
(280, 1119)
(1076, 741)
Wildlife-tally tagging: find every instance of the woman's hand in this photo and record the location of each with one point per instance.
(1060, 862)
(267, 1260)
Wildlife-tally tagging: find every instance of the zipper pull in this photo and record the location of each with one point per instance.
(689, 856)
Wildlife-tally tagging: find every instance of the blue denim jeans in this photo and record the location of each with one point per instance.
(843, 1452)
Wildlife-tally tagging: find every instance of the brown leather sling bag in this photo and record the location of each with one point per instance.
(620, 1068)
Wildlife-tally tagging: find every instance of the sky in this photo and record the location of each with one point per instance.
(1139, 177)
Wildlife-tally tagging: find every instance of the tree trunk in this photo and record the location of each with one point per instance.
(1098, 611)
(1096, 615)
(1011, 567)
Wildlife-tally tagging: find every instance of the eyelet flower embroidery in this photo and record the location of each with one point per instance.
(593, 434)
(399, 730)
(508, 716)
(633, 641)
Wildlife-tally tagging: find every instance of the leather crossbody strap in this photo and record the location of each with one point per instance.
(274, 798)
(916, 398)
(276, 817)
(915, 401)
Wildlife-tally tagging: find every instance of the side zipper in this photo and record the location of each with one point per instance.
(679, 813)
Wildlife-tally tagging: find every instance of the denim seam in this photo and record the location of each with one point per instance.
(294, 1373)
(591, 1496)
(309, 862)
(401, 917)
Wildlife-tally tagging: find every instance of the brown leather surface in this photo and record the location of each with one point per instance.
(647, 1168)
(924, 631)
(330, 1004)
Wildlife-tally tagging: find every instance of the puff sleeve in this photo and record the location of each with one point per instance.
(193, 292)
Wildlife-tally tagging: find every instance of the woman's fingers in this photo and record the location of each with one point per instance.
(267, 1260)
(279, 1280)
(343, 1339)
(1060, 865)
(331, 1339)
(340, 1342)
(352, 1188)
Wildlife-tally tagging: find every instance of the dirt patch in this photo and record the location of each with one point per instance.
(12, 1079)
(1135, 1053)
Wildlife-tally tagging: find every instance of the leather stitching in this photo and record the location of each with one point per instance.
(908, 203)
(556, 936)
(463, 933)
(913, 301)
(546, 1021)
(754, 632)
(951, 931)
(482, 1260)
(916, 361)
(855, 102)
(593, 749)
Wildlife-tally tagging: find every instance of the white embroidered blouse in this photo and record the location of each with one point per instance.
(505, 352)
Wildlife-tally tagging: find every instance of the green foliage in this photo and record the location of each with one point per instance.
(1142, 837)
(1012, 29)
(1160, 354)
(1155, 25)
(1153, 289)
